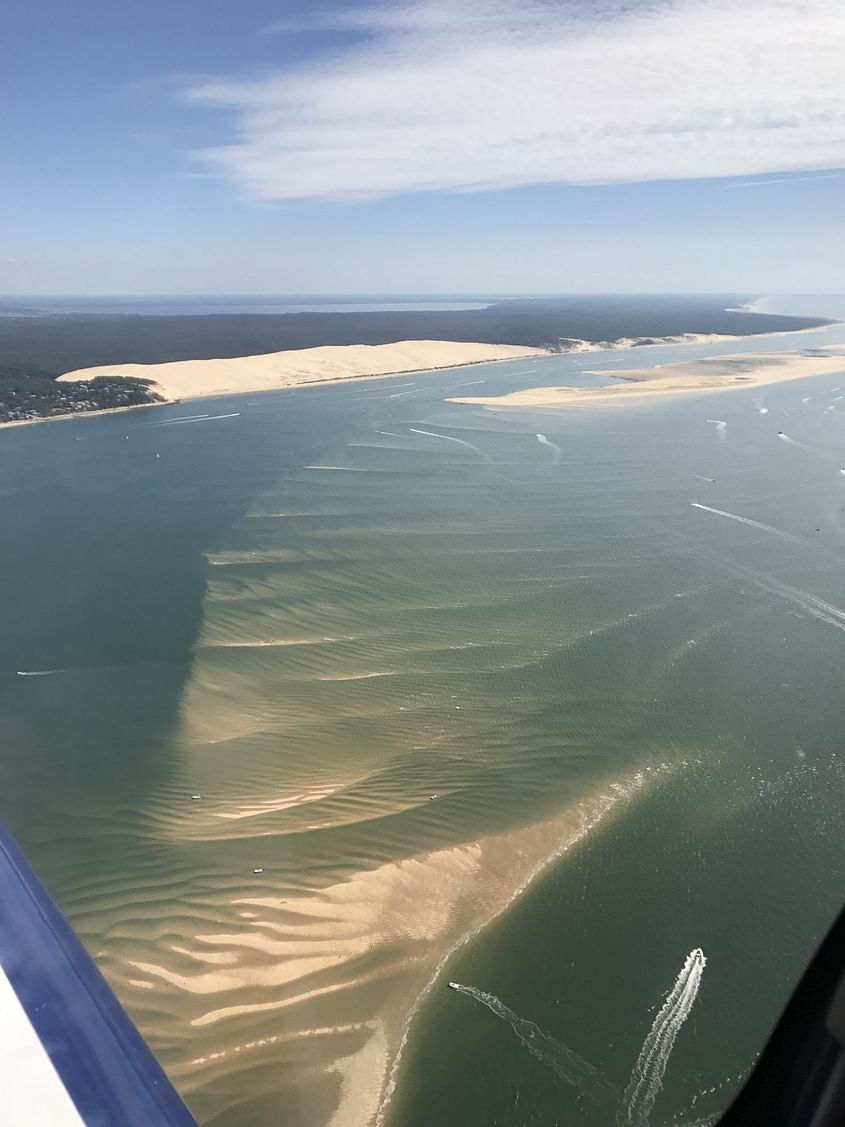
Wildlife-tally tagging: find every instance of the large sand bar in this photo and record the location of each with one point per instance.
(721, 373)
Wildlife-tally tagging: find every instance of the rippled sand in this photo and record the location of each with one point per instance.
(426, 651)
(366, 774)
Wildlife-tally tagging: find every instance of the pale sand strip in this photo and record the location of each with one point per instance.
(722, 373)
(194, 379)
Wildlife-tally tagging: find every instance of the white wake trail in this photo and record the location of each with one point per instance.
(790, 441)
(813, 605)
(39, 672)
(647, 1078)
(556, 451)
(561, 1059)
(179, 419)
(175, 419)
(198, 419)
(747, 520)
(460, 442)
(826, 458)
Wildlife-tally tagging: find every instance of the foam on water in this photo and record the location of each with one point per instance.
(185, 420)
(748, 521)
(816, 607)
(554, 1054)
(647, 1078)
(634, 1107)
(451, 438)
(556, 451)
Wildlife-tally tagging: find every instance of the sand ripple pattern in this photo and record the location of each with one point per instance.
(391, 725)
(429, 665)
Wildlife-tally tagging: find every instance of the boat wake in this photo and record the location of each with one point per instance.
(556, 451)
(570, 1067)
(647, 1078)
(748, 521)
(635, 1105)
(450, 438)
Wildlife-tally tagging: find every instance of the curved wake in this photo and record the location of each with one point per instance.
(557, 1056)
(635, 1106)
(460, 442)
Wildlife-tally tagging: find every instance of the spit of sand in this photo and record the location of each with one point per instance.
(719, 373)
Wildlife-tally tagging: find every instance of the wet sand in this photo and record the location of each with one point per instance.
(343, 968)
(723, 373)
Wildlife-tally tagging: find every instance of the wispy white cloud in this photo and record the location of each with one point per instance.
(478, 96)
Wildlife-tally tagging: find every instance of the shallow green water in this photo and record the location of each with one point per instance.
(457, 702)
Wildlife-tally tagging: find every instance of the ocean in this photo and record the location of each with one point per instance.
(315, 702)
(205, 306)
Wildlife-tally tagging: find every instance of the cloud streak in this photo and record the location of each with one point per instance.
(475, 96)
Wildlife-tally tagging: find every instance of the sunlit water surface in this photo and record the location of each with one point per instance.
(328, 698)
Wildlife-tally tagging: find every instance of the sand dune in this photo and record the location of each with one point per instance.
(719, 373)
(192, 379)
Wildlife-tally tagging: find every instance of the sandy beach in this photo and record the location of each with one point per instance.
(723, 373)
(195, 379)
(202, 379)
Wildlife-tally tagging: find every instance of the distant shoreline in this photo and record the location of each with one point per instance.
(183, 380)
(63, 418)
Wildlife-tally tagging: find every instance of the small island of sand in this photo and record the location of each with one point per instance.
(194, 379)
(720, 373)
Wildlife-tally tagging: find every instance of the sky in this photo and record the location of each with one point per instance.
(431, 146)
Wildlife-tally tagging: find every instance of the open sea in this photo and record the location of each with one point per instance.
(180, 306)
(315, 701)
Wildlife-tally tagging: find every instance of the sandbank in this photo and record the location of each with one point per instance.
(721, 373)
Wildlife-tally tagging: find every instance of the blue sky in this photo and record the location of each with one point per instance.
(250, 147)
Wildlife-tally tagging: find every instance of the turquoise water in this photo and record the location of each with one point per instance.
(350, 692)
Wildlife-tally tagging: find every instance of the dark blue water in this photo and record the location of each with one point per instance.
(171, 306)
